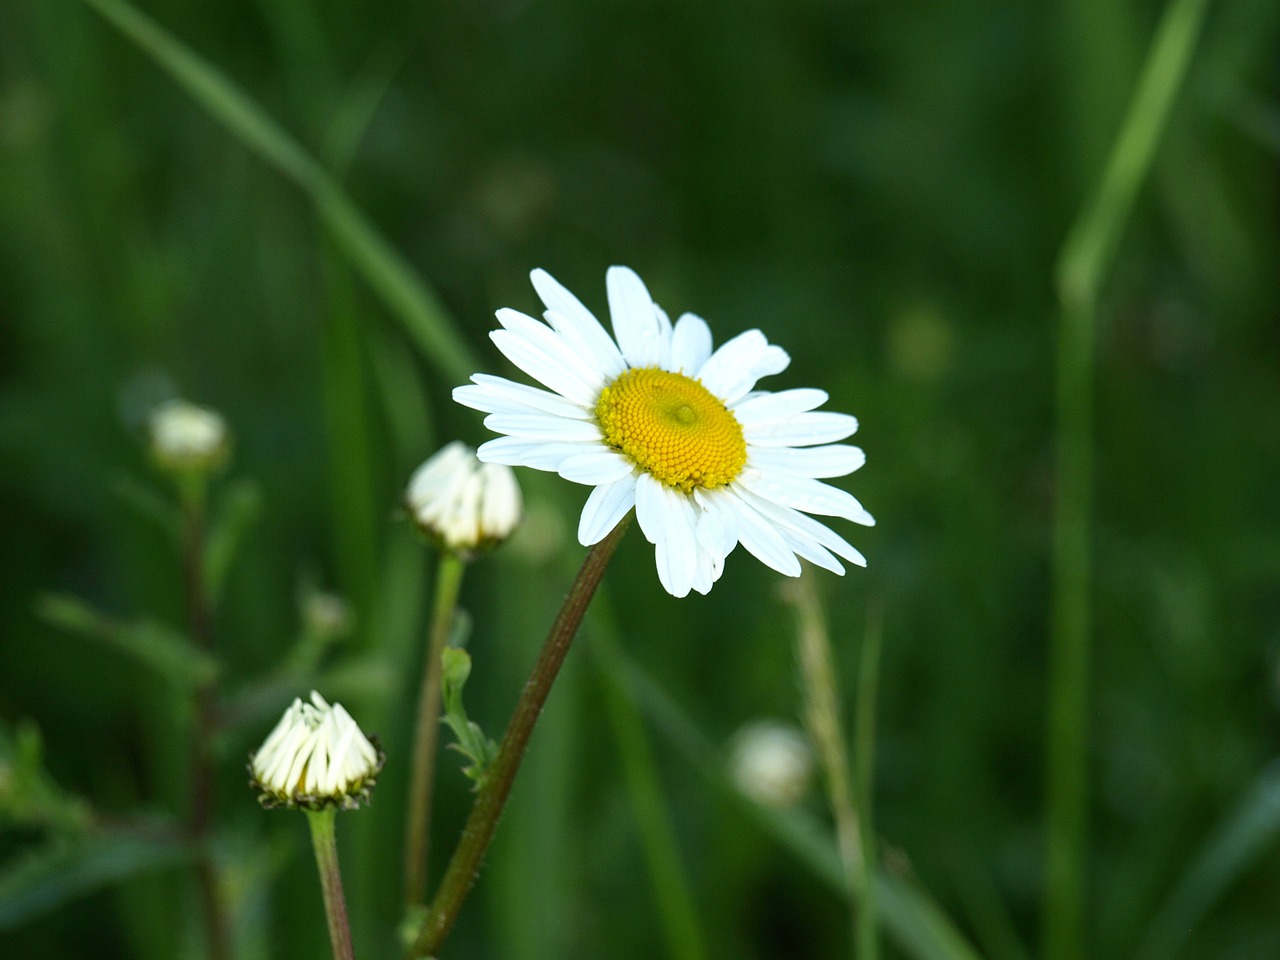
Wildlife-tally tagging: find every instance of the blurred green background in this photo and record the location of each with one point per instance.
(884, 190)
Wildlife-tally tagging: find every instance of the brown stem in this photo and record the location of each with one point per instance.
(203, 771)
(480, 826)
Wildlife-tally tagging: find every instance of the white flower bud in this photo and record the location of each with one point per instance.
(316, 757)
(772, 763)
(461, 503)
(185, 437)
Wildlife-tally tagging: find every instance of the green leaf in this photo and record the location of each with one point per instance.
(472, 743)
(152, 644)
(38, 880)
(28, 794)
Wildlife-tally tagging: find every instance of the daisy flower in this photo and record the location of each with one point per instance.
(655, 420)
(316, 757)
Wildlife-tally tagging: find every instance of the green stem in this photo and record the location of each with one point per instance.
(324, 840)
(822, 717)
(426, 736)
(465, 864)
(1087, 254)
(203, 784)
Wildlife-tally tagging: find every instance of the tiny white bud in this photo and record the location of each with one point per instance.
(315, 757)
(772, 763)
(462, 504)
(185, 437)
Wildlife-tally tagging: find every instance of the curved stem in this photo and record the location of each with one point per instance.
(324, 840)
(426, 736)
(477, 833)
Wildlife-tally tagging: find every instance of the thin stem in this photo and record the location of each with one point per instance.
(203, 771)
(426, 736)
(324, 840)
(1087, 254)
(822, 717)
(864, 736)
(465, 864)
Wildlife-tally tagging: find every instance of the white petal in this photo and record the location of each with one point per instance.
(765, 407)
(538, 426)
(666, 517)
(566, 313)
(596, 467)
(606, 506)
(636, 323)
(763, 541)
(717, 523)
(810, 496)
(545, 368)
(832, 461)
(499, 395)
(801, 430)
(807, 526)
(690, 345)
(538, 454)
(733, 370)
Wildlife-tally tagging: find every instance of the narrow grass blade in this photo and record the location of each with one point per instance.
(386, 271)
(676, 905)
(911, 917)
(1238, 842)
(1086, 256)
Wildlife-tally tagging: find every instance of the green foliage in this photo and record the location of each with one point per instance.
(42, 878)
(158, 647)
(305, 214)
(470, 739)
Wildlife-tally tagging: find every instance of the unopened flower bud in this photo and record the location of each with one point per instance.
(462, 504)
(772, 763)
(186, 438)
(316, 757)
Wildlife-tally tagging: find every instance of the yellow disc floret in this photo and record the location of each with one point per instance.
(673, 428)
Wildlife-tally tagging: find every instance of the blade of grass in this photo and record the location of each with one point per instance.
(388, 274)
(669, 878)
(1087, 253)
(911, 915)
(864, 739)
(822, 716)
(1241, 838)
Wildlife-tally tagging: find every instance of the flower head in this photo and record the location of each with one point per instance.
(187, 438)
(772, 763)
(654, 419)
(315, 757)
(461, 503)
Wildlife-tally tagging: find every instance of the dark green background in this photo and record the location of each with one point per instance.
(881, 188)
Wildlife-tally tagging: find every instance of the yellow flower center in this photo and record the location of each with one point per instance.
(673, 428)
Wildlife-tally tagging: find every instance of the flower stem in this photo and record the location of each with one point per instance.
(203, 784)
(426, 737)
(480, 826)
(324, 840)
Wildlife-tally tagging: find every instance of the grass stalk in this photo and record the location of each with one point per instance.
(822, 716)
(1087, 254)
(677, 909)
